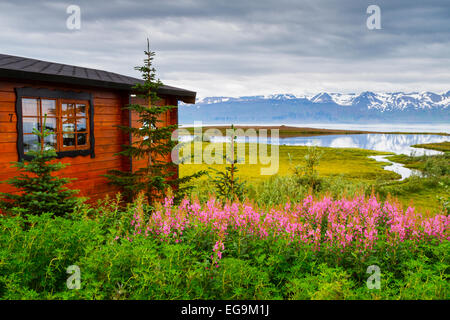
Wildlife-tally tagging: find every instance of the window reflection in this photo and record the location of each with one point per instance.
(81, 125)
(68, 125)
(30, 142)
(29, 124)
(66, 120)
(50, 124)
(48, 107)
(81, 139)
(30, 107)
(68, 139)
(68, 110)
(50, 142)
(81, 110)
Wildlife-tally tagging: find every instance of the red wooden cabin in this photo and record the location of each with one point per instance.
(83, 106)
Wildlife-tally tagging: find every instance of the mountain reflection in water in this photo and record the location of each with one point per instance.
(396, 143)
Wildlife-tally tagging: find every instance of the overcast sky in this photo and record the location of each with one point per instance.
(234, 48)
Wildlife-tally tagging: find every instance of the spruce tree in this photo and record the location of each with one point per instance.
(153, 143)
(227, 183)
(40, 191)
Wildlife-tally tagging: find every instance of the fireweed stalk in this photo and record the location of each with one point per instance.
(335, 226)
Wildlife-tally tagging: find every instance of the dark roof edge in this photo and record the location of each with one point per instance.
(181, 94)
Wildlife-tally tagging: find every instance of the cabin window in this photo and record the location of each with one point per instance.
(68, 115)
(74, 119)
(67, 120)
(33, 111)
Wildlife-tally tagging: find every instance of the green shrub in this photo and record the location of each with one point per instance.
(324, 283)
(437, 166)
(276, 190)
(237, 279)
(39, 189)
(307, 175)
(36, 250)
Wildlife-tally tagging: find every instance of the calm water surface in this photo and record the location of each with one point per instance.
(384, 127)
(395, 143)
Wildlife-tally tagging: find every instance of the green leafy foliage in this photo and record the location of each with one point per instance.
(445, 200)
(39, 189)
(437, 166)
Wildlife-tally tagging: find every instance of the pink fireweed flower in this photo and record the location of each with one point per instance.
(339, 225)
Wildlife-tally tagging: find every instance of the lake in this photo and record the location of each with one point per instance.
(380, 127)
(395, 143)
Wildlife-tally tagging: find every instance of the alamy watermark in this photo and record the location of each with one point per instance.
(73, 21)
(374, 20)
(190, 148)
(374, 281)
(74, 281)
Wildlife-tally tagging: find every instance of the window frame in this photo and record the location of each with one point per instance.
(62, 96)
(38, 116)
(87, 116)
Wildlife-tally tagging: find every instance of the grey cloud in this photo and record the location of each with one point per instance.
(243, 46)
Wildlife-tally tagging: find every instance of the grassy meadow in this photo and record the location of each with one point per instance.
(288, 131)
(442, 146)
(352, 163)
(343, 171)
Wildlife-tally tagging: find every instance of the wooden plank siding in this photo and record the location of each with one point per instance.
(108, 112)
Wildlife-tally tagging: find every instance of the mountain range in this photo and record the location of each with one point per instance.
(366, 107)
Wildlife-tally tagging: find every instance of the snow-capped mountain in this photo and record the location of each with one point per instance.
(380, 101)
(322, 98)
(402, 101)
(366, 106)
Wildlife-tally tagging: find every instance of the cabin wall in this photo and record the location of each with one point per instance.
(108, 112)
(88, 171)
